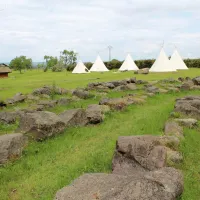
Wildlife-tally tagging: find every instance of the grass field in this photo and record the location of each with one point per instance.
(30, 80)
(48, 166)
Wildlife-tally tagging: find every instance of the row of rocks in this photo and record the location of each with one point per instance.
(127, 84)
(40, 125)
(141, 165)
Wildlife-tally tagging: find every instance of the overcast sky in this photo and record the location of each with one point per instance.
(45, 27)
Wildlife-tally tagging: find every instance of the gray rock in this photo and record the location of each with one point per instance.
(8, 117)
(165, 184)
(131, 86)
(41, 125)
(196, 80)
(173, 128)
(189, 106)
(190, 123)
(174, 157)
(74, 117)
(133, 80)
(82, 94)
(114, 103)
(11, 146)
(31, 97)
(48, 90)
(152, 89)
(110, 85)
(187, 85)
(94, 114)
(139, 82)
(143, 71)
(146, 151)
(18, 98)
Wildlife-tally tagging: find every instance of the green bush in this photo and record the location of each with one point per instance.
(57, 68)
(88, 65)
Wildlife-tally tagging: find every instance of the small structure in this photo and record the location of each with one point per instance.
(128, 64)
(177, 62)
(162, 63)
(80, 68)
(98, 66)
(4, 70)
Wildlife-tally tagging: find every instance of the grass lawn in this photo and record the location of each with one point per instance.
(46, 167)
(30, 80)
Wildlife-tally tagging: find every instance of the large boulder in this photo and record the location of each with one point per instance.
(165, 184)
(82, 94)
(94, 114)
(196, 80)
(18, 98)
(11, 146)
(142, 71)
(189, 106)
(145, 152)
(8, 117)
(74, 117)
(173, 128)
(187, 85)
(41, 125)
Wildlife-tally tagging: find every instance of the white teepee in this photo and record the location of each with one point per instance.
(128, 64)
(162, 63)
(177, 62)
(98, 66)
(80, 68)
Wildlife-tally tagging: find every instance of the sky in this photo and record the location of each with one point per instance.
(35, 28)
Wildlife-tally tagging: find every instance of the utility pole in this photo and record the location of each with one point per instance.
(109, 51)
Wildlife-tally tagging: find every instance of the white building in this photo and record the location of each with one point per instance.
(98, 66)
(128, 64)
(162, 63)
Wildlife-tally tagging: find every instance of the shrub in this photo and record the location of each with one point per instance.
(57, 68)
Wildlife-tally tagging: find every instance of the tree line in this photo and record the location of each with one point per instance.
(67, 61)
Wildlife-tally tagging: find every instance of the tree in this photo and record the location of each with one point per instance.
(20, 63)
(69, 58)
(50, 61)
(40, 65)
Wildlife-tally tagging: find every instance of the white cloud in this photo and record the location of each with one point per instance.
(35, 28)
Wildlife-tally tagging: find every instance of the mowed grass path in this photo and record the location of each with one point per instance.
(30, 80)
(48, 166)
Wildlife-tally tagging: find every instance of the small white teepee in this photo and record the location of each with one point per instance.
(80, 68)
(128, 64)
(98, 66)
(162, 63)
(177, 62)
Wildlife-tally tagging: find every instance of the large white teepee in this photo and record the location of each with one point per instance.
(177, 62)
(98, 66)
(128, 64)
(80, 68)
(162, 63)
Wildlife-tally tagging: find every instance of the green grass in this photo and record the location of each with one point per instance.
(30, 80)
(48, 166)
